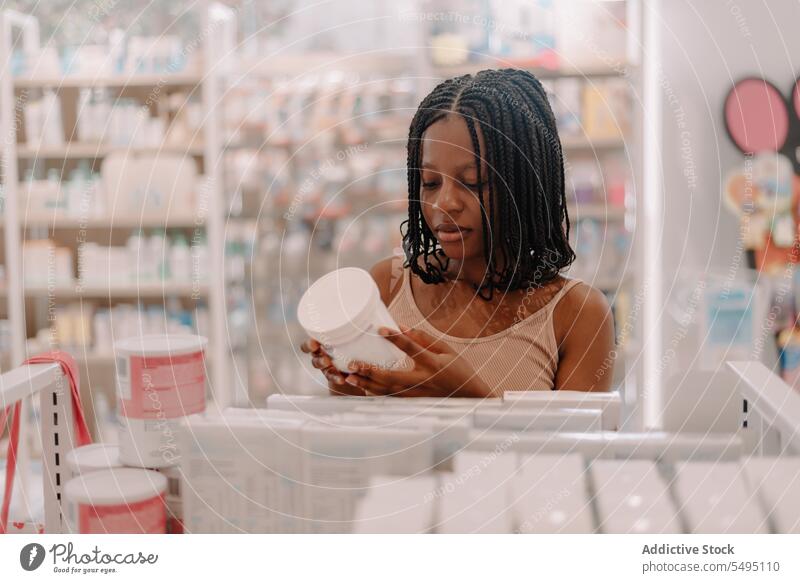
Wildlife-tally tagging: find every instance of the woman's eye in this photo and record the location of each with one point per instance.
(429, 185)
(476, 187)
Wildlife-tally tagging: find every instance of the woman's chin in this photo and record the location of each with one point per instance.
(458, 252)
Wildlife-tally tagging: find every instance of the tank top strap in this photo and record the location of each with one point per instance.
(561, 293)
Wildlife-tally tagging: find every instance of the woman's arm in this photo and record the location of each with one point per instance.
(584, 327)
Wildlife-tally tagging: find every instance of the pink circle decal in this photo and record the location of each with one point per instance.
(796, 97)
(756, 116)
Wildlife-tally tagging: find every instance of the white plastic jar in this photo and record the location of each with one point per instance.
(343, 311)
(92, 458)
(160, 380)
(118, 501)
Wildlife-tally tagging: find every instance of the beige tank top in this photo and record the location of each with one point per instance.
(521, 357)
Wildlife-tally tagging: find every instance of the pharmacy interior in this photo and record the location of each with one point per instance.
(175, 179)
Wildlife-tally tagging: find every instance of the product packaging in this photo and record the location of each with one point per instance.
(118, 501)
(160, 380)
(343, 311)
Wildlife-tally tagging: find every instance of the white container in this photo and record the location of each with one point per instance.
(118, 501)
(92, 458)
(149, 443)
(343, 311)
(161, 378)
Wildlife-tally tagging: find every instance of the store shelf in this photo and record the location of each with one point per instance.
(76, 150)
(588, 72)
(122, 81)
(597, 211)
(145, 290)
(167, 221)
(581, 143)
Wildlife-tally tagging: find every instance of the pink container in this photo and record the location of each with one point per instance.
(118, 501)
(160, 380)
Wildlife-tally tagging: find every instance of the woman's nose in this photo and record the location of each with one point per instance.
(449, 200)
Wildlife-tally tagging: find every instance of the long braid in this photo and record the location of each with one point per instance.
(524, 213)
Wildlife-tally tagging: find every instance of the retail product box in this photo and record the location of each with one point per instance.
(317, 405)
(632, 497)
(242, 475)
(477, 497)
(397, 505)
(340, 461)
(609, 402)
(777, 482)
(714, 498)
(549, 495)
(538, 419)
(448, 436)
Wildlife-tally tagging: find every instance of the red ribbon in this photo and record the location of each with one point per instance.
(83, 437)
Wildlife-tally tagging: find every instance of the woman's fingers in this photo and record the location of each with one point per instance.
(310, 346)
(338, 390)
(333, 375)
(369, 385)
(321, 362)
(404, 342)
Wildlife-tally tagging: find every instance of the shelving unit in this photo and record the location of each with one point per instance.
(23, 298)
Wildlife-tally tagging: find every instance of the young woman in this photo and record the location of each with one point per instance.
(479, 298)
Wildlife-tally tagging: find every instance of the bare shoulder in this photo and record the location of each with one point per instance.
(388, 274)
(583, 310)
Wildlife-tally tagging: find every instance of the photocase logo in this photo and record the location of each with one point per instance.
(31, 556)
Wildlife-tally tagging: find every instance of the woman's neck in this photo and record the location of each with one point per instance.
(469, 271)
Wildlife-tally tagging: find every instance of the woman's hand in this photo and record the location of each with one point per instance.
(438, 371)
(322, 361)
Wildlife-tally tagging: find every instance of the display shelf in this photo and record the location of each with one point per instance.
(204, 146)
(564, 72)
(595, 210)
(146, 290)
(120, 80)
(583, 143)
(78, 150)
(168, 221)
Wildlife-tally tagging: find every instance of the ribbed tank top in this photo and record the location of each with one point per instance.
(524, 356)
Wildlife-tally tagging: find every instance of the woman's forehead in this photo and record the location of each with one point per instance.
(447, 143)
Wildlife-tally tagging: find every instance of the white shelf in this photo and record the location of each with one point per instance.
(122, 81)
(78, 150)
(169, 221)
(600, 211)
(166, 289)
(588, 72)
(582, 143)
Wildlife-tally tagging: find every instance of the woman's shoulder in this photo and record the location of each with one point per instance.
(582, 308)
(388, 274)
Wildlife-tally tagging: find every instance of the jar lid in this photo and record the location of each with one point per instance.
(335, 306)
(115, 486)
(93, 457)
(162, 344)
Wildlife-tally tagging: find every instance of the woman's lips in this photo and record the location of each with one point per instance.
(451, 233)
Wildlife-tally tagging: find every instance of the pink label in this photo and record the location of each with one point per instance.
(145, 517)
(165, 386)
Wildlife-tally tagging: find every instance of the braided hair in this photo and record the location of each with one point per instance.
(525, 205)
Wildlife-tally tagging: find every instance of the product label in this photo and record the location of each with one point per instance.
(146, 517)
(164, 386)
(123, 378)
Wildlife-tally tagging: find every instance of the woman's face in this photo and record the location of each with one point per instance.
(449, 189)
